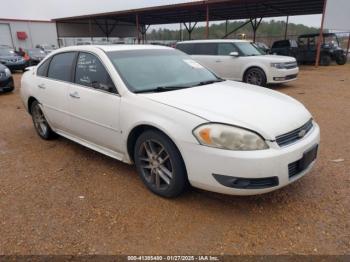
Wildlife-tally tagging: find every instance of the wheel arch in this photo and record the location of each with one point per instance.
(251, 67)
(137, 131)
(31, 99)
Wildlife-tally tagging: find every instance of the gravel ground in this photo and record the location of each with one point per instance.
(58, 197)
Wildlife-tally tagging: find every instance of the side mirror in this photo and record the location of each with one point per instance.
(234, 54)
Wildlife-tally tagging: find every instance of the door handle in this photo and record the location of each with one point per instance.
(74, 95)
(218, 61)
(41, 86)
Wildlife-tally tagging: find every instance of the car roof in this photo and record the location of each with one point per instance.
(111, 48)
(215, 41)
(316, 34)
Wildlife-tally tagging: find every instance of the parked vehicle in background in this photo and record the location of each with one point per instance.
(241, 60)
(305, 49)
(46, 48)
(35, 56)
(285, 47)
(6, 80)
(13, 61)
(177, 121)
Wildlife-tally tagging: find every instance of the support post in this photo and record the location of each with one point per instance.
(347, 49)
(226, 27)
(286, 29)
(138, 28)
(107, 31)
(207, 24)
(255, 25)
(237, 28)
(90, 30)
(320, 37)
(180, 31)
(190, 28)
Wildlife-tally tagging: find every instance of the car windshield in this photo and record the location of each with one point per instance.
(36, 52)
(157, 70)
(6, 52)
(248, 49)
(331, 40)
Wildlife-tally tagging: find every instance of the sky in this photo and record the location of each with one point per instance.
(49, 9)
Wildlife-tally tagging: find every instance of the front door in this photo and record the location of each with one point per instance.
(94, 104)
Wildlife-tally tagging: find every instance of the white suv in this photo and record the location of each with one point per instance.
(241, 60)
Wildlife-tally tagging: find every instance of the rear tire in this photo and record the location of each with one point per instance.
(41, 125)
(325, 60)
(255, 76)
(341, 60)
(159, 164)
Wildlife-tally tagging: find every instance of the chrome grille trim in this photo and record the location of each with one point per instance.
(295, 135)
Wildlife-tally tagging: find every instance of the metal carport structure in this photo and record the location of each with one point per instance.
(189, 14)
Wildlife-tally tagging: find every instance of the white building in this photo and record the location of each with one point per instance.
(27, 33)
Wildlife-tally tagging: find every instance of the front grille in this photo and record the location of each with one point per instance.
(291, 65)
(294, 135)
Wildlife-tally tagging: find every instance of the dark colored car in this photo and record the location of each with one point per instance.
(305, 49)
(13, 61)
(6, 80)
(285, 47)
(35, 56)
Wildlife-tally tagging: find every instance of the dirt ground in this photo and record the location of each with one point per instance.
(59, 197)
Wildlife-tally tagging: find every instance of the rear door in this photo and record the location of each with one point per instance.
(94, 104)
(206, 54)
(53, 80)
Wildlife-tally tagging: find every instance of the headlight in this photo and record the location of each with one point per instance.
(278, 65)
(229, 137)
(7, 72)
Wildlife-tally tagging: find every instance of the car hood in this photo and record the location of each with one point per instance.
(274, 58)
(265, 111)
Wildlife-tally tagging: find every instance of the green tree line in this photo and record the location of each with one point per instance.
(272, 29)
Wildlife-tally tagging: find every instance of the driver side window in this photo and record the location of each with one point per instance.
(90, 72)
(224, 49)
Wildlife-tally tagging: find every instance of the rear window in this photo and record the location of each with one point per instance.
(279, 44)
(61, 66)
(186, 48)
(198, 48)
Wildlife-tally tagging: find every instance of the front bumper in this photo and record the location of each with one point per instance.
(6, 84)
(282, 75)
(203, 162)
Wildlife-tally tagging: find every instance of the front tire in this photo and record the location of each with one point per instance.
(41, 125)
(159, 164)
(341, 59)
(255, 76)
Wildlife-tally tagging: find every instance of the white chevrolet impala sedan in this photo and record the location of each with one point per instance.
(177, 121)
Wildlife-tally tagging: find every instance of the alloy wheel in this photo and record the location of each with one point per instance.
(39, 120)
(156, 165)
(255, 78)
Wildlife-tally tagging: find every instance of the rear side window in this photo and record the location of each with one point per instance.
(205, 49)
(42, 69)
(91, 72)
(61, 66)
(186, 48)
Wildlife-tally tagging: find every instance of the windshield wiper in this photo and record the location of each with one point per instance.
(209, 82)
(161, 89)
